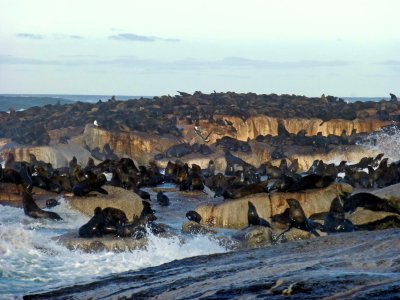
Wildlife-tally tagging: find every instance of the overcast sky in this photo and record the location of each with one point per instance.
(156, 47)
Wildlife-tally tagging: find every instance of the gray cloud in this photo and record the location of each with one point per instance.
(139, 38)
(30, 36)
(390, 62)
(177, 65)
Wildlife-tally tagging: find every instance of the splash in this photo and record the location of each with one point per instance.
(386, 141)
(32, 260)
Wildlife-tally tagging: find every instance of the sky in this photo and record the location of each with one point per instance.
(159, 47)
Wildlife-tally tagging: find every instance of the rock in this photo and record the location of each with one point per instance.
(391, 194)
(58, 155)
(254, 237)
(363, 216)
(296, 234)
(233, 213)
(312, 201)
(72, 241)
(138, 146)
(192, 227)
(125, 200)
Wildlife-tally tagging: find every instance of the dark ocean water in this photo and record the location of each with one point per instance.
(24, 101)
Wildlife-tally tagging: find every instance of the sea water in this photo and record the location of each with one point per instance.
(32, 260)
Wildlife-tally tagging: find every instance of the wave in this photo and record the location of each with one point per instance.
(32, 260)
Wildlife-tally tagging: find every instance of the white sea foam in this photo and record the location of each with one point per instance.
(31, 259)
(385, 141)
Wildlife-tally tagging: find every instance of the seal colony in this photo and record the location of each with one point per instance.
(206, 125)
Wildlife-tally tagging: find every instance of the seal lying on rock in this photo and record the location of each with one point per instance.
(32, 210)
(92, 183)
(368, 201)
(104, 221)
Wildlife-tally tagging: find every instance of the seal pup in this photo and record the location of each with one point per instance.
(253, 217)
(32, 210)
(335, 221)
(162, 199)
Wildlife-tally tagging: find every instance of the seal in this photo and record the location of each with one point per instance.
(335, 221)
(193, 216)
(298, 219)
(253, 217)
(368, 201)
(162, 199)
(92, 183)
(32, 210)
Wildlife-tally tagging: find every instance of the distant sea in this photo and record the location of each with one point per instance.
(24, 101)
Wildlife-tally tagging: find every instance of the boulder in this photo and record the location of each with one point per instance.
(125, 200)
(72, 241)
(363, 216)
(391, 194)
(254, 237)
(233, 213)
(192, 227)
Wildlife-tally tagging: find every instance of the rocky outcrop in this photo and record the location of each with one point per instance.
(72, 241)
(125, 200)
(335, 126)
(233, 213)
(58, 155)
(139, 146)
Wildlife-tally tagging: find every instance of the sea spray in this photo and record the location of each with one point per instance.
(386, 141)
(32, 260)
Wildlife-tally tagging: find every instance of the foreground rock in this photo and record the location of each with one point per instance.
(233, 213)
(299, 269)
(125, 200)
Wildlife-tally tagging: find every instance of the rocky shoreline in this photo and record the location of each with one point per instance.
(260, 165)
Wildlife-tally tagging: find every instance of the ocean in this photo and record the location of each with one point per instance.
(24, 101)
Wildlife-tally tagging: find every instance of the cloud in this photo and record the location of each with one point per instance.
(134, 62)
(30, 36)
(390, 63)
(139, 38)
(36, 36)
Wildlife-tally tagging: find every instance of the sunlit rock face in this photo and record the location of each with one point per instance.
(139, 146)
(233, 213)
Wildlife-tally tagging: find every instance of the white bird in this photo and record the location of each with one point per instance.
(95, 123)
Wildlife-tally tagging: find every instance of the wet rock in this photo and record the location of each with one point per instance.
(72, 241)
(125, 200)
(254, 237)
(192, 227)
